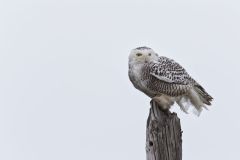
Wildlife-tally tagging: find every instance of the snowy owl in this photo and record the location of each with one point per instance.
(165, 81)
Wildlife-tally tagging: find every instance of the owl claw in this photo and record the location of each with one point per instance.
(163, 105)
(163, 101)
(162, 108)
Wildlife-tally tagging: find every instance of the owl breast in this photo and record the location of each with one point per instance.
(137, 78)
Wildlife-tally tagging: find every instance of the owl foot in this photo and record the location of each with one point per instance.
(163, 109)
(164, 102)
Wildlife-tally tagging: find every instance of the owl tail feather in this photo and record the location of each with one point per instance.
(184, 103)
(199, 98)
(204, 96)
(196, 97)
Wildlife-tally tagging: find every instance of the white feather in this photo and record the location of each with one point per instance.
(196, 101)
(184, 103)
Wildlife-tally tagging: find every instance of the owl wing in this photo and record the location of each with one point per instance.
(169, 71)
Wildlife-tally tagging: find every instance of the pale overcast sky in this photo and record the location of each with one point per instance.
(64, 88)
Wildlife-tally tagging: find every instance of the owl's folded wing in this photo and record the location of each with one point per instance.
(169, 71)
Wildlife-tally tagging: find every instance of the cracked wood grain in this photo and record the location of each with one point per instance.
(164, 135)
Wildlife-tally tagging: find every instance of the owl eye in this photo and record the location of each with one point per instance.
(149, 54)
(139, 54)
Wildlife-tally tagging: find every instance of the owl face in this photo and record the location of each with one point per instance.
(142, 55)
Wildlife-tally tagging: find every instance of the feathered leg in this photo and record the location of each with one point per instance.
(165, 102)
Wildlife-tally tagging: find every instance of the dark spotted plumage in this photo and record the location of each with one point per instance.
(175, 80)
(170, 71)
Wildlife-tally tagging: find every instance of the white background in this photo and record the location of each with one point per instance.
(64, 88)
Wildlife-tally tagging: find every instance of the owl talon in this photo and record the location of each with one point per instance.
(165, 109)
(162, 103)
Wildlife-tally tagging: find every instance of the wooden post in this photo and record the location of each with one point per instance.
(164, 135)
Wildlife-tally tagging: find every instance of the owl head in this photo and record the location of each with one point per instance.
(142, 55)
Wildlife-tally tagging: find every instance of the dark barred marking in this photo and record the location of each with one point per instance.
(142, 48)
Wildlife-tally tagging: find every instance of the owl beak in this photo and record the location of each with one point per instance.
(146, 60)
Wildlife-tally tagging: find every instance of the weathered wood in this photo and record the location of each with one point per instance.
(164, 135)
